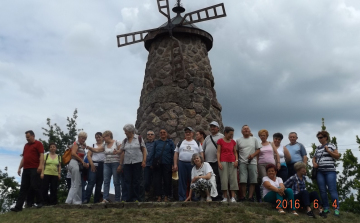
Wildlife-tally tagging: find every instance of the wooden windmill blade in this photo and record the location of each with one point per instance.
(132, 38)
(198, 15)
(165, 6)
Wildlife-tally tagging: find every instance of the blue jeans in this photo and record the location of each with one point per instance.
(83, 188)
(132, 180)
(275, 198)
(97, 178)
(283, 173)
(148, 175)
(184, 178)
(327, 179)
(110, 170)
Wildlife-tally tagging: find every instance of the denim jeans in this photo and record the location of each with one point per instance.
(132, 182)
(327, 179)
(283, 173)
(184, 178)
(110, 169)
(95, 178)
(148, 175)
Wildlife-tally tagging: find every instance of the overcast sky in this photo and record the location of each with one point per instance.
(280, 65)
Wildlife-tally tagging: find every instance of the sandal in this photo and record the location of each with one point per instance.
(281, 211)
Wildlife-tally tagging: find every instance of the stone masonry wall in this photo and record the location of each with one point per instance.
(179, 97)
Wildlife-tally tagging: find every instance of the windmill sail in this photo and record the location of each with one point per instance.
(132, 38)
(204, 14)
(165, 6)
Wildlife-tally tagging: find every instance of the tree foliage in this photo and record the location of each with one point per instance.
(9, 191)
(62, 140)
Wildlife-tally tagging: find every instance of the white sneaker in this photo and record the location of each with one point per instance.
(208, 199)
(202, 199)
(104, 201)
(225, 200)
(233, 200)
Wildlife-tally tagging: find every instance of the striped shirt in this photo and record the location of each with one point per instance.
(325, 161)
(295, 184)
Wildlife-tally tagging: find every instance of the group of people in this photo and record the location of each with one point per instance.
(214, 167)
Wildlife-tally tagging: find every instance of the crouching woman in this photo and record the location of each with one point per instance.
(203, 181)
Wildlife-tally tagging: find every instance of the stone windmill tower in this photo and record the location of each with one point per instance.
(178, 89)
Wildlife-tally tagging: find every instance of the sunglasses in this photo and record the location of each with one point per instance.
(320, 137)
(150, 134)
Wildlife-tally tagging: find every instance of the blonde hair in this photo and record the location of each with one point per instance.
(263, 131)
(299, 165)
(108, 133)
(82, 135)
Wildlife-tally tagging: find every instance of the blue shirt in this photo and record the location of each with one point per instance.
(295, 184)
(297, 151)
(168, 154)
(149, 148)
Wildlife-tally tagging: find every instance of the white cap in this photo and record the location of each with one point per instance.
(215, 123)
(189, 128)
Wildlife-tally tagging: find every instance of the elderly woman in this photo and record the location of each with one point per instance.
(203, 181)
(274, 191)
(162, 161)
(50, 175)
(77, 160)
(324, 160)
(132, 162)
(301, 195)
(267, 155)
(228, 162)
(284, 155)
(111, 164)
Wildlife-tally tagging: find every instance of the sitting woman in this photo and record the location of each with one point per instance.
(297, 184)
(203, 181)
(274, 190)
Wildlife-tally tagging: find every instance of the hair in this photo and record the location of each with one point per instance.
(269, 166)
(299, 165)
(150, 131)
(108, 133)
(82, 134)
(163, 128)
(244, 126)
(202, 133)
(194, 156)
(98, 134)
(228, 129)
(263, 131)
(323, 133)
(278, 135)
(51, 143)
(31, 132)
(129, 128)
(293, 133)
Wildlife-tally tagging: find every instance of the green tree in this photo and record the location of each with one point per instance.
(9, 191)
(62, 141)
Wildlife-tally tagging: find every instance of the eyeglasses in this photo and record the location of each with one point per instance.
(150, 134)
(320, 137)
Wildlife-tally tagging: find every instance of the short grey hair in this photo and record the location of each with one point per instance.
(82, 134)
(299, 165)
(194, 156)
(129, 128)
(150, 131)
(293, 133)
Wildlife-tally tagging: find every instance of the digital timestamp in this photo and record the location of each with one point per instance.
(297, 205)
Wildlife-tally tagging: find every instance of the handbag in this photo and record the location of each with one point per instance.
(157, 161)
(315, 170)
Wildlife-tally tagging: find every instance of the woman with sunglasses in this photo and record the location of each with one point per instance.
(324, 160)
(164, 152)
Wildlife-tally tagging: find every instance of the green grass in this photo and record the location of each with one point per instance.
(203, 213)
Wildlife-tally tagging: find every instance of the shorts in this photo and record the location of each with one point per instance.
(248, 170)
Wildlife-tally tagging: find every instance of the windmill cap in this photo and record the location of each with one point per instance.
(215, 123)
(189, 128)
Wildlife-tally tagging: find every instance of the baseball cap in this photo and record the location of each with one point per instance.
(215, 123)
(189, 128)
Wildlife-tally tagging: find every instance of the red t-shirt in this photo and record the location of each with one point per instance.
(31, 154)
(227, 150)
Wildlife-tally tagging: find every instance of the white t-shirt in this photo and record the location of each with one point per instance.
(187, 149)
(109, 153)
(98, 157)
(280, 150)
(246, 147)
(205, 169)
(275, 183)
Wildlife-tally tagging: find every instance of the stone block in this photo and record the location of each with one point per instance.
(190, 113)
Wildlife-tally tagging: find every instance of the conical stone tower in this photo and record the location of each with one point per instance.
(178, 89)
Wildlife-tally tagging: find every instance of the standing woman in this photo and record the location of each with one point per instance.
(134, 160)
(111, 164)
(200, 136)
(324, 160)
(228, 162)
(284, 156)
(163, 150)
(50, 175)
(77, 159)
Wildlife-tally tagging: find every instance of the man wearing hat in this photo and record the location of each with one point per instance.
(182, 160)
(210, 149)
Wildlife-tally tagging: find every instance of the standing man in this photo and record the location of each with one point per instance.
(183, 152)
(297, 152)
(248, 148)
(32, 162)
(210, 149)
(148, 172)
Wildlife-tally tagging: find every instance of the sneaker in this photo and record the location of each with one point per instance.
(15, 209)
(323, 214)
(326, 211)
(224, 200)
(208, 199)
(39, 205)
(310, 214)
(242, 199)
(233, 200)
(202, 199)
(105, 201)
(251, 199)
(337, 213)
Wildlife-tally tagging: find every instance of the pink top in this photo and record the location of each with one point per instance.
(266, 155)
(227, 150)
